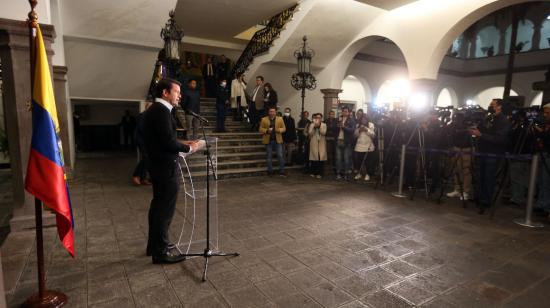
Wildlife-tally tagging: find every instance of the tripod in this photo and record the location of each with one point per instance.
(504, 172)
(422, 151)
(458, 161)
(383, 158)
(208, 253)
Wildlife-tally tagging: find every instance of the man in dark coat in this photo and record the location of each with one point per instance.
(222, 100)
(163, 149)
(209, 76)
(289, 136)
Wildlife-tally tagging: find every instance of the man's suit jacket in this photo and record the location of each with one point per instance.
(279, 129)
(259, 100)
(160, 140)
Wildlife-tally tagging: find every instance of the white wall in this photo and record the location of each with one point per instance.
(19, 10)
(106, 70)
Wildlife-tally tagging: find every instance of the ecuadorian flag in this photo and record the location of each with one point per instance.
(45, 174)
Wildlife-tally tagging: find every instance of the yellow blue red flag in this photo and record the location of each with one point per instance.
(45, 173)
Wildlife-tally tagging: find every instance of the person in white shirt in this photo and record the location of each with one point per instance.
(238, 96)
(364, 148)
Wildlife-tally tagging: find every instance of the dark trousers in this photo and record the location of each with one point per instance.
(252, 113)
(210, 86)
(163, 205)
(316, 167)
(486, 180)
(142, 167)
(331, 153)
(220, 117)
(365, 162)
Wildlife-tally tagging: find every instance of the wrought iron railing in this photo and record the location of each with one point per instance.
(262, 39)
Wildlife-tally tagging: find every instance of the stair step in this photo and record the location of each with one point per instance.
(234, 173)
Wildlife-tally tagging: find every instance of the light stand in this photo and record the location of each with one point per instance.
(303, 79)
(208, 253)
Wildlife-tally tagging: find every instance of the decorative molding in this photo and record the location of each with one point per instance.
(402, 63)
(113, 43)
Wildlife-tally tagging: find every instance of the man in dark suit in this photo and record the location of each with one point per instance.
(209, 76)
(163, 148)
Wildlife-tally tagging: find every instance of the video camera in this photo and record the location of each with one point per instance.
(527, 116)
(470, 116)
(445, 113)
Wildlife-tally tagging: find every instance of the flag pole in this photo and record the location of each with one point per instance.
(44, 298)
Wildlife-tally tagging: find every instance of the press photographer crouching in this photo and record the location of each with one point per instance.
(543, 133)
(491, 139)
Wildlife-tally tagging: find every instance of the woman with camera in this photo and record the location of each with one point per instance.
(364, 148)
(317, 131)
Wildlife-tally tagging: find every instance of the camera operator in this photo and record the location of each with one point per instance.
(543, 132)
(433, 135)
(461, 143)
(522, 141)
(492, 140)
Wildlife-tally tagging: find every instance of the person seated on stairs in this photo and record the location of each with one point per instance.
(222, 101)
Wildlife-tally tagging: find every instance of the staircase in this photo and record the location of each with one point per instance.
(240, 152)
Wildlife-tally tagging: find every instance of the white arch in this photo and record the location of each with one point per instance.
(356, 89)
(447, 97)
(484, 97)
(537, 101)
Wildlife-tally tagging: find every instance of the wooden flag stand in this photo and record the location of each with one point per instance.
(44, 298)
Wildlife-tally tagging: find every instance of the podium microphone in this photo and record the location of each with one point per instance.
(196, 115)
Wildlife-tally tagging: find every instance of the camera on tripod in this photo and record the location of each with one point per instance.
(470, 116)
(445, 113)
(527, 116)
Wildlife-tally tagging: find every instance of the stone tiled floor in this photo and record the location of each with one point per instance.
(303, 242)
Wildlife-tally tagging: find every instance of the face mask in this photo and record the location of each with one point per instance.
(287, 114)
(223, 84)
(491, 109)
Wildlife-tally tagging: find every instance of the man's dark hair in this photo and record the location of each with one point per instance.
(499, 101)
(346, 108)
(165, 84)
(288, 109)
(272, 107)
(260, 77)
(317, 114)
(191, 80)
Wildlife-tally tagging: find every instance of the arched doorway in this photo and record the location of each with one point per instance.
(537, 101)
(447, 97)
(485, 97)
(355, 90)
(393, 94)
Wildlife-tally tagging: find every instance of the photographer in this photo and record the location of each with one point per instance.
(364, 148)
(492, 140)
(461, 158)
(543, 132)
(522, 142)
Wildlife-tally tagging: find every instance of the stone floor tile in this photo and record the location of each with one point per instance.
(411, 292)
(332, 271)
(328, 295)
(512, 277)
(277, 287)
(286, 265)
(400, 268)
(385, 299)
(297, 300)
(248, 297)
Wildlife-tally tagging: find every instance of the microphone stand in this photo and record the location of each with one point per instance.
(208, 253)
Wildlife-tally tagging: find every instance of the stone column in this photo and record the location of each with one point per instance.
(330, 97)
(63, 104)
(14, 51)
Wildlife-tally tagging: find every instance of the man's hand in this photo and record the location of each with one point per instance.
(475, 132)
